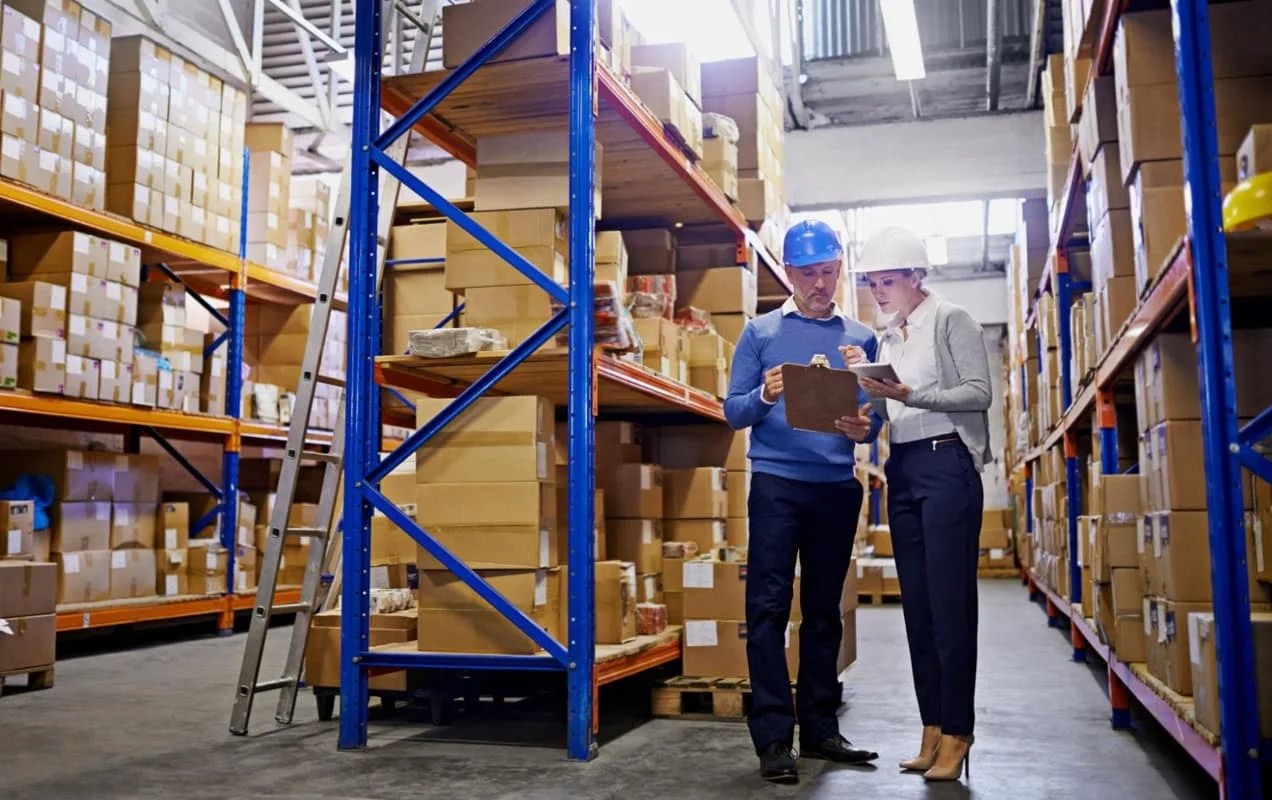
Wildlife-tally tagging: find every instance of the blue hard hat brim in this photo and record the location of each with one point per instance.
(805, 260)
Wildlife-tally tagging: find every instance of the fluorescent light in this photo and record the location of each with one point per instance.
(902, 27)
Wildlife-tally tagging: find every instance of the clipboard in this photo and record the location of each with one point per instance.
(817, 394)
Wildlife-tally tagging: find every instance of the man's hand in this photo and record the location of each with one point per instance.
(853, 354)
(856, 428)
(886, 388)
(772, 385)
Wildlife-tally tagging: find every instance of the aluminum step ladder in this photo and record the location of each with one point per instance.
(324, 553)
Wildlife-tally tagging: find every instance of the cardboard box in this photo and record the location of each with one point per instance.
(636, 541)
(714, 589)
(10, 360)
(675, 58)
(490, 525)
(322, 655)
(83, 577)
(31, 644)
(725, 290)
(635, 492)
(496, 440)
(717, 648)
(1113, 248)
(667, 99)
(172, 526)
(172, 572)
(1169, 377)
(696, 493)
(27, 588)
(1202, 647)
(132, 525)
(472, 24)
(615, 602)
(132, 573)
(453, 619)
(528, 170)
(80, 526)
(706, 533)
(682, 446)
(650, 251)
(209, 564)
(1255, 153)
(17, 527)
(1097, 127)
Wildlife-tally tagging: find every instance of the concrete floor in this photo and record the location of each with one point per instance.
(151, 723)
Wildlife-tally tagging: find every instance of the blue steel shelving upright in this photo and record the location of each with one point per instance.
(364, 469)
(1225, 447)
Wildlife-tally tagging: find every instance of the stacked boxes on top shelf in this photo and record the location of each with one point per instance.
(175, 158)
(269, 207)
(55, 64)
(667, 79)
(308, 223)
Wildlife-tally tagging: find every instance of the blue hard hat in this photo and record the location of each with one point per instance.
(810, 242)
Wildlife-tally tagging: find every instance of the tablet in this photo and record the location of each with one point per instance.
(881, 372)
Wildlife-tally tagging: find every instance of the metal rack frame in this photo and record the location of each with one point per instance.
(1198, 272)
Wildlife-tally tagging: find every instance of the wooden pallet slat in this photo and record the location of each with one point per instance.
(37, 678)
(703, 699)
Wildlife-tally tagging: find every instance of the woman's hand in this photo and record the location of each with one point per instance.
(853, 354)
(892, 390)
(856, 428)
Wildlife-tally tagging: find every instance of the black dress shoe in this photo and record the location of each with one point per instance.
(777, 764)
(838, 749)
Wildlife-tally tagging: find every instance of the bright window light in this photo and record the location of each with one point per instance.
(902, 27)
(711, 28)
(938, 251)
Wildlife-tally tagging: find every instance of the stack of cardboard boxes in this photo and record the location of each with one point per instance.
(17, 520)
(415, 293)
(668, 79)
(162, 325)
(78, 296)
(176, 143)
(28, 596)
(1051, 522)
(308, 223)
(997, 544)
(56, 60)
(268, 192)
(1057, 136)
(273, 352)
(172, 554)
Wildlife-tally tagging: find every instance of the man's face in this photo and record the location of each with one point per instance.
(814, 286)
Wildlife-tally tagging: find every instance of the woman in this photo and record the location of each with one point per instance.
(939, 434)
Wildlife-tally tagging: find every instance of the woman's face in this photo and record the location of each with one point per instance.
(894, 289)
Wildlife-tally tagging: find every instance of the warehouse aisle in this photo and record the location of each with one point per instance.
(151, 723)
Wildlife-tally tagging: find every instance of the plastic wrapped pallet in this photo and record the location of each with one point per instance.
(452, 342)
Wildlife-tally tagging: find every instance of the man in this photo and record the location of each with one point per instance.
(804, 501)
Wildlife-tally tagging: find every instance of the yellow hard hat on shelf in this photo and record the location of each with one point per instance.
(1249, 205)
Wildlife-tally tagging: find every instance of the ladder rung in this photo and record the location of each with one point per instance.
(326, 458)
(277, 683)
(289, 608)
(320, 533)
(331, 381)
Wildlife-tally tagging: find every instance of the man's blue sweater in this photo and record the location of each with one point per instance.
(776, 447)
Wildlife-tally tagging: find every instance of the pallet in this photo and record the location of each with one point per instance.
(997, 572)
(704, 699)
(36, 677)
(879, 598)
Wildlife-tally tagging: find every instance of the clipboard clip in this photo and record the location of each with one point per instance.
(819, 360)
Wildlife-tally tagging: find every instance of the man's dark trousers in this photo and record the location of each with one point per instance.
(816, 523)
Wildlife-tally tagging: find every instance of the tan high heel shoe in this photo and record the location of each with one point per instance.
(953, 759)
(927, 751)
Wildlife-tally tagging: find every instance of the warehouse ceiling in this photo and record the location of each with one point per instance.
(846, 77)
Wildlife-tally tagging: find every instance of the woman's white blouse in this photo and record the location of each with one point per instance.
(914, 359)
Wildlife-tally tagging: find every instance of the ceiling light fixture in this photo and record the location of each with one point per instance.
(902, 27)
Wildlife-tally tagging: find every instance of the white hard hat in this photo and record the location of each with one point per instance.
(891, 249)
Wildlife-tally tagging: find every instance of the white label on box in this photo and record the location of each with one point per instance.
(112, 290)
(74, 460)
(543, 460)
(1161, 535)
(646, 478)
(719, 531)
(118, 560)
(79, 283)
(698, 575)
(170, 538)
(108, 370)
(889, 571)
(74, 365)
(651, 588)
(245, 535)
(57, 298)
(700, 633)
(122, 515)
(240, 580)
(79, 241)
(70, 563)
(1161, 624)
(544, 549)
(379, 577)
(647, 531)
(212, 561)
(1194, 639)
(540, 588)
(78, 325)
(103, 512)
(170, 585)
(996, 553)
(15, 542)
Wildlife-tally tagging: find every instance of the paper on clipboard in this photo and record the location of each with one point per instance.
(880, 372)
(816, 396)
